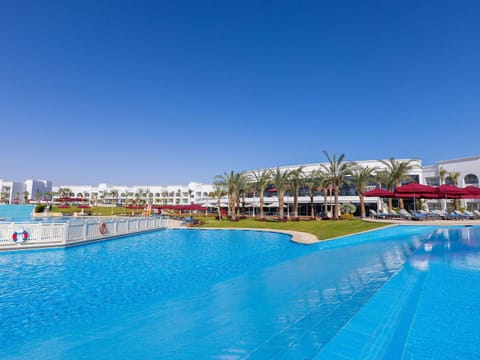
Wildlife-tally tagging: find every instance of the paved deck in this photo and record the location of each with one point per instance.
(308, 239)
(425, 222)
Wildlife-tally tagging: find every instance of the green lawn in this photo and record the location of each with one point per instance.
(98, 210)
(322, 229)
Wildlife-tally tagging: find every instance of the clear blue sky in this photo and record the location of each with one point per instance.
(164, 92)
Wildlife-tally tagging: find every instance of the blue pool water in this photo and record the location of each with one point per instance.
(239, 294)
(16, 212)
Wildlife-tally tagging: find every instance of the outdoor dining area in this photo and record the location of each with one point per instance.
(417, 192)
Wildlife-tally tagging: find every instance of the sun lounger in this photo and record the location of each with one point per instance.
(405, 214)
(462, 214)
(394, 214)
(376, 215)
(418, 216)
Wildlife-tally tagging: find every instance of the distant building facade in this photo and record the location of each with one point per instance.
(11, 192)
(105, 194)
(465, 172)
(38, 190)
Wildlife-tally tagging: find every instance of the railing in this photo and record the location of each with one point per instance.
(63, 234)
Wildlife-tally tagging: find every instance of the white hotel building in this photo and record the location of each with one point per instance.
(469, 169)
(104, 194)
(15, 191)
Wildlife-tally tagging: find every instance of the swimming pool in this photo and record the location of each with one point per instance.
(195, 294)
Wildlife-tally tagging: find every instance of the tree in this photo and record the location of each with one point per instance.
(442, 174)
(233, 183)
(25, 197)
(218, 193)
(64, 192)
(280, 179)
(262, 180)
(360, 177)
(453, 176)
(38, 196)
(295, 178)
(335, 171)
(396, 173)
(114, 195)
(313, 181)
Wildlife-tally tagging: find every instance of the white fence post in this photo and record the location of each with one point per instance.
(65, 233)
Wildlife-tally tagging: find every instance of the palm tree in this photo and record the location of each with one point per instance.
(360, 177)
(335, 171)
(262, 180)
(312, 182)
(442, 174)
(114, 195)
(295, 183)
(234, 184)
(25, 197)
(396, 173)
(280, 179)
(218, 192)
(64, 192)
(38, 196)
(453, 176)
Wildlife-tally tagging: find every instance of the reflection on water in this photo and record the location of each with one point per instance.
(454, 247)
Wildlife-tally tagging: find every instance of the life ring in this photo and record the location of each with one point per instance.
(16, 239)
(102, 228)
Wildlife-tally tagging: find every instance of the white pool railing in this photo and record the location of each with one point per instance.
(42, 235)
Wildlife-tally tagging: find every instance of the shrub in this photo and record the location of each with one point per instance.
(39, 208)
(348, 208)
(346, 217)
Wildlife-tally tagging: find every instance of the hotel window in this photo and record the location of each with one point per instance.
(471, 180)
(432, 181)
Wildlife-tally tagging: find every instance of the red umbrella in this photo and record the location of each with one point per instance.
(272, 190)
(473, 192)
(414, 188)
(134, 207)
(379, 193)
(450, 191)
(195, 207)
(83, 206)
(64, 207)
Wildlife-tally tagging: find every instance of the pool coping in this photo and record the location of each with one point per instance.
(298, 237)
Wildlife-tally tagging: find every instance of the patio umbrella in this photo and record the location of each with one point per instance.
(83, 207)
(195, 207)
(451, 191)
(473, 192)
(414, 190)
(379, 193)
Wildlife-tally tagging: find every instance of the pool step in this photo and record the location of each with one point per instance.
(388, 315)
(304, 338)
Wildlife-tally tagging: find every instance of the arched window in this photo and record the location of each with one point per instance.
(471, 180)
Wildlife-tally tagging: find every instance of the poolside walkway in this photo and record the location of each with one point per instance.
(308, 239)
(297, 236)
(425, 222)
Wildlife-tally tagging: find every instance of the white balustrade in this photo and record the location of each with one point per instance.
(58, 234)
